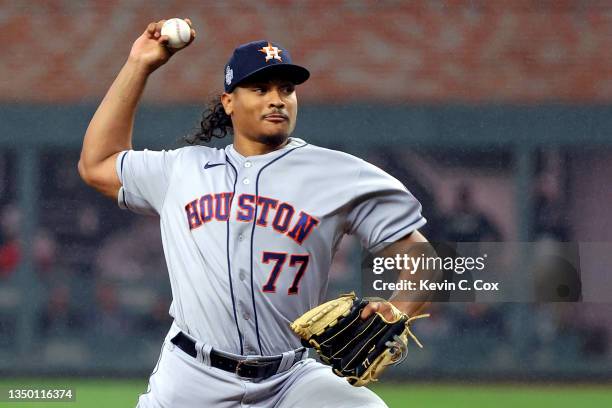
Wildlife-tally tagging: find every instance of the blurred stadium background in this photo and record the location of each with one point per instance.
(496, 115)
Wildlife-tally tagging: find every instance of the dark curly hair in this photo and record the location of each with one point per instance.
(215, 123)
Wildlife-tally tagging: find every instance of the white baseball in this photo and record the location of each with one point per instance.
(178, 32)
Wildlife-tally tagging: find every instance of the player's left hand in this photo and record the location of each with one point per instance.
(388, 309)
(384, 308)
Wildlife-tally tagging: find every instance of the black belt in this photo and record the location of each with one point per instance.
(261, 368)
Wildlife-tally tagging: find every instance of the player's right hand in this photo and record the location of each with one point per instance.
(150, 49)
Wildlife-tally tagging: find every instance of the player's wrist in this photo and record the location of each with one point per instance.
(408, 308)
(139, 66)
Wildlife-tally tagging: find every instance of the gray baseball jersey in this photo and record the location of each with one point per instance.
(249, 241)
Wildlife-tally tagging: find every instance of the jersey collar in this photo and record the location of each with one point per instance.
(292, 143)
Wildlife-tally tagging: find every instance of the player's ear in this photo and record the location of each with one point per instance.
(226, 100)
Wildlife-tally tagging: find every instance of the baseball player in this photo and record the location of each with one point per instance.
(248, 231)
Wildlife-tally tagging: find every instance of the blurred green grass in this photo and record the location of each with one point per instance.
(99, 393)
(498, 396)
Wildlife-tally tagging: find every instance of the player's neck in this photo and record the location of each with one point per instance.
(248, 147)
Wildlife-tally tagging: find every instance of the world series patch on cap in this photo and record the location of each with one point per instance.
(259, 57)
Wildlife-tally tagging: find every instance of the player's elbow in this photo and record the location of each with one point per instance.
(85, 173)
(82, 171)
(89, 175)
(100, 176)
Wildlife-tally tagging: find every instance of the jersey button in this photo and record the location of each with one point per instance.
(242, 276)
(248, 164)
(246, 181)
(246, 316)
(240, 237)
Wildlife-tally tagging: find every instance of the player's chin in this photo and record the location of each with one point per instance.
(273, 138)
(275, 135)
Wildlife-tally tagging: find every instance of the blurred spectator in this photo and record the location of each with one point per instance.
(9, 257)
(134, 253)
(44, 245)
(66, 177)
(9, 244)
(483, 318)
(467, 223)
(108, 318)
(4, 177)
(59, 317)
(560, 332)
(45, 252)
(83, 239)
(158, 320)
(550, 217)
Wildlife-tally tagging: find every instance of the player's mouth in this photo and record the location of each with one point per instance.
(276, 117)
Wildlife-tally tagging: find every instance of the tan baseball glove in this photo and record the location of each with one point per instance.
(359, 350)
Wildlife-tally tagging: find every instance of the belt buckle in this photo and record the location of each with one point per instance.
(244, 364)
(237, 370)
(248, 363)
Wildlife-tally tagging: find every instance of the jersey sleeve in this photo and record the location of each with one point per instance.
(145, 177)
(383, 210)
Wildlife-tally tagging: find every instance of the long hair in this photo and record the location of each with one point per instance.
(215, 123)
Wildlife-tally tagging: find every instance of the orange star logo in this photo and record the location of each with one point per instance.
(271, 52)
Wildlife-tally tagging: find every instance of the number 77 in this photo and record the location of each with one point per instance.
(279, 259)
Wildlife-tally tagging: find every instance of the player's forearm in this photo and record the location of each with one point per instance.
(110, 129)
(417, 301)
(414, 246)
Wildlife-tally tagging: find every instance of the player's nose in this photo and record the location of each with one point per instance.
(275, 98)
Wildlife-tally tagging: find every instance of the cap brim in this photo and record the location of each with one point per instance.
(291, 72)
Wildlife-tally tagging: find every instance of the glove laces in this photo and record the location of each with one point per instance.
(410, 319)
(398, 346)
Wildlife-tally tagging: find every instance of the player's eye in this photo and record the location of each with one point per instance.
(289, 89)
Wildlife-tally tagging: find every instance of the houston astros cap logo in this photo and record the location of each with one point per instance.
(260, 59)
(229, 75)
(271, 52)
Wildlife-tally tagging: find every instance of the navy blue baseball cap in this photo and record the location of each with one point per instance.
(259, 57)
